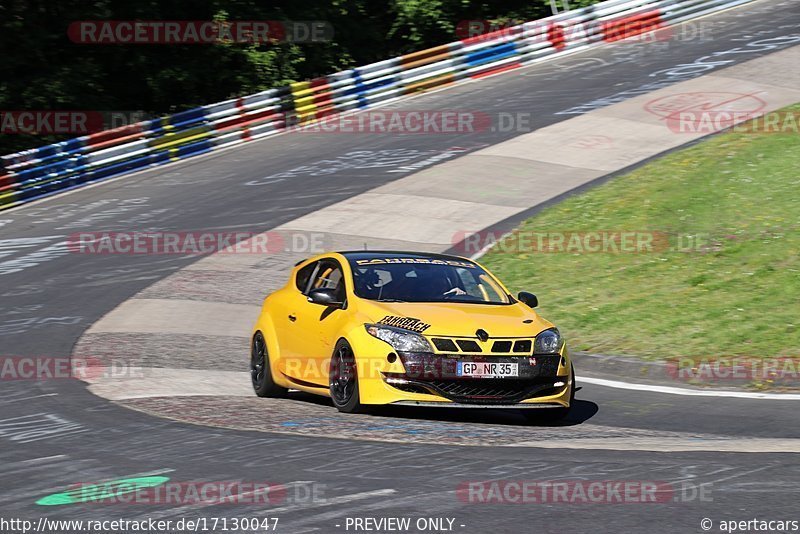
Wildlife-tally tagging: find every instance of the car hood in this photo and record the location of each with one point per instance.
(458, 319)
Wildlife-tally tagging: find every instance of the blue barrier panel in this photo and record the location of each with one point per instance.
(495, 53)
(358, 89)
(194, 149)
(187, 119)
(107, 171)
(155, 128)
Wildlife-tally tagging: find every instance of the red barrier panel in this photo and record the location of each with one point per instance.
(496, 70)
(245, 120)
(115, 136)
(625, 27)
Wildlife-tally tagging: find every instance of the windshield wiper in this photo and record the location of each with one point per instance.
(390, 300)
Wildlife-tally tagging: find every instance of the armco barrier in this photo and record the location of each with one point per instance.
(43, 171)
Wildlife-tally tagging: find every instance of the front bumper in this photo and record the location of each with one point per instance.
(523, 406)
(541, 379)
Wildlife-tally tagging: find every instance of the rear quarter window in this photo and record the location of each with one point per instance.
(303, 276)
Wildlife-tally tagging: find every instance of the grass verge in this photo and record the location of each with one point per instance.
(727, 284)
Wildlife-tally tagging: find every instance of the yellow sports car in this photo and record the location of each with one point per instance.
(405, 328)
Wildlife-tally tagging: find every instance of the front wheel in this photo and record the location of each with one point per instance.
(343, 380)
(260, 373)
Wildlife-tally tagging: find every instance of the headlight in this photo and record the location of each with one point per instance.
(548, 342)
(399, 339)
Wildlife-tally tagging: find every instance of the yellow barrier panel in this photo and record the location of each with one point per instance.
(430, 83)
(8, 200)
(179, 138)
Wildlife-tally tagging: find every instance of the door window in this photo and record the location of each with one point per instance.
(328, 275)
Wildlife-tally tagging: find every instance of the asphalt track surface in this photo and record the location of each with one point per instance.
(54, 433)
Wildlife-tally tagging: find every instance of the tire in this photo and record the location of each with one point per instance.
(552, 415)
(343, 380)
(260, 371)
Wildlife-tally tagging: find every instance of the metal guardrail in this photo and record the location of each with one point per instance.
(39, 172)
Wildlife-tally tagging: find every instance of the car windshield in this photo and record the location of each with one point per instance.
(425, 280)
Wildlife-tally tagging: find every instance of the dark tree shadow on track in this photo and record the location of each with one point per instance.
(302, 396)
(581, 411)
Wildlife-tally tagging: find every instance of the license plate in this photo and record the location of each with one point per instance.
(487, 369)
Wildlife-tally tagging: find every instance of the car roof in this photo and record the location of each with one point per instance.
(371, 254)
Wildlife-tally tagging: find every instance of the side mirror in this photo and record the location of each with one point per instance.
(325, 296)
(528, 298)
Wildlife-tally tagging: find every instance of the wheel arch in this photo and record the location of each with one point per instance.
(266, 327)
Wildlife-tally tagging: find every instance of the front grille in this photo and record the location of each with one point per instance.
(482, 391)
(494, 346)
(467, 345)
(444, 345)
(501, 346)
(522, 345)
(485, 388)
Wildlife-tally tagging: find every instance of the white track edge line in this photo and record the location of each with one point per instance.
(687, 392)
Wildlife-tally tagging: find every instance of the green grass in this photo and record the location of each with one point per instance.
(739, 294)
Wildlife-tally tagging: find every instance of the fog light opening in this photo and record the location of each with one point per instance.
(391, 358)
(394, 380)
